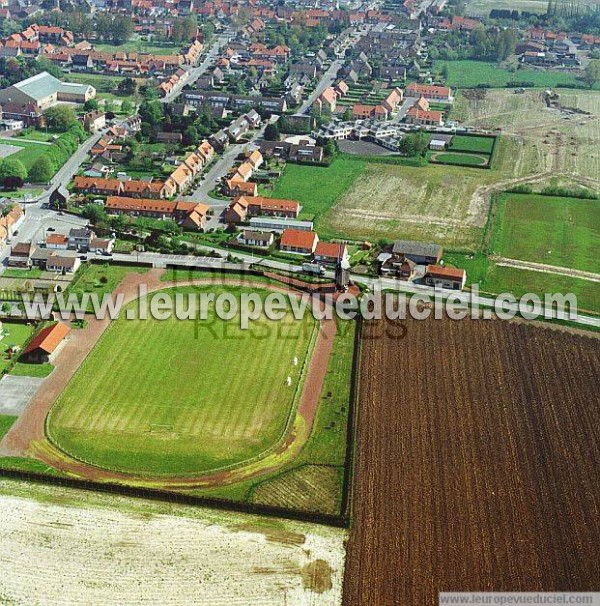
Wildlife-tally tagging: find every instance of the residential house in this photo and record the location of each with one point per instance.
(94, 121)
(237, 187)
(330, 253)
(327, 100)
(99, 186)
(20, 255)
(259, 239)
(424, 117)
(79, 238)
(183, 177)
(429, 91)
(102, 245)
(298, 242)
(62, 265)
(57, 241)
(445, 277)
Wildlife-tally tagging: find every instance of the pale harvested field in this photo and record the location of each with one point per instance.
(436, 202)
(482, 8)
(62, 546)
(547, 140)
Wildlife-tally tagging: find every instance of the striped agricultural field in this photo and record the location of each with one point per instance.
(179, 397)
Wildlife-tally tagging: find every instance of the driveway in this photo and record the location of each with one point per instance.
(16, 393)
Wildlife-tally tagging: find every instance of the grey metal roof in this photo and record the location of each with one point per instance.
(39, 86)
(43, 85)
(423, 249)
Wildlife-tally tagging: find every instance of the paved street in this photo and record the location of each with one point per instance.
(202, 68)
(327, 80)
(388, 284)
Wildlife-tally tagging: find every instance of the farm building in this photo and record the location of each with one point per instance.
(419, 252)
(45, 344)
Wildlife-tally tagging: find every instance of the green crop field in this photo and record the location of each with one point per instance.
(547, 229)
(519, 282)
(463, 143)
(173, 397)
(468, 73)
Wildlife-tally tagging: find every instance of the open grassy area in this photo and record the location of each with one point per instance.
(547, 229)
(23, 369)
(141, 46)
(431, 203)
(6, 422)
(22, 193)
(101, 278)
(483, 145)
(25, 274)
(360, 199)
(29, 153)
(468, 73)
(317, 188)
(182, 397)
(482, 8)
(12, 333)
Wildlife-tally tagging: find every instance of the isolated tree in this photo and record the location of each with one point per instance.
(90, 105)
(42, 170)
(190, 136)
(95, 214)
(127, 107)
(592, 73)
(60, 117)
(271, 132)
(127, 86)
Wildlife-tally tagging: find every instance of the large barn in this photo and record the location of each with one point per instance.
(44, 90)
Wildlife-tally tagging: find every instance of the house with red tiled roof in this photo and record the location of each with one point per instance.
(237, 187)
(298, 241)
(330, 253)
(445, 277)
(429, 91)
(327, 100)
(424, 117)
(183, 177)
(97, 185)
(46, 344)
(341, 88)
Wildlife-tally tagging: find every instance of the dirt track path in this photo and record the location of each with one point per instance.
(27, 436)
(547, 269)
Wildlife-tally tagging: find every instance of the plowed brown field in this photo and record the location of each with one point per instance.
(478, 462)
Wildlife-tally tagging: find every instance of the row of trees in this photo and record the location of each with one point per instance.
(114, 28)
(492, 44)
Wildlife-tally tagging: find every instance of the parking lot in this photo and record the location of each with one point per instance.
(16, 393)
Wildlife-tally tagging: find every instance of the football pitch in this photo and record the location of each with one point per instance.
(183, 397)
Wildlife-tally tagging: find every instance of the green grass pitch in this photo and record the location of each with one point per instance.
(161, 398)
